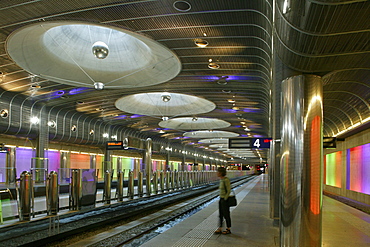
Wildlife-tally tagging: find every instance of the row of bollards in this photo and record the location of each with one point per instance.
(157, 182)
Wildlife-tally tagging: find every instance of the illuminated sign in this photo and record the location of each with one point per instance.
(249, 142)
(114, 145)
(4, 150)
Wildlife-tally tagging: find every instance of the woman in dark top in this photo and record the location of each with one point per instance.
(224, 208)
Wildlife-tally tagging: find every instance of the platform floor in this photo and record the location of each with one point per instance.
(252, 226)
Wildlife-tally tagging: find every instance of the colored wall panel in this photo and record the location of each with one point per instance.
(358, 169)
(23, 158)
(80, 161)
(333, 168)
(53, 160)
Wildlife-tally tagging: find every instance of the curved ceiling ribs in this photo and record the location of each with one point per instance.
(330, 39)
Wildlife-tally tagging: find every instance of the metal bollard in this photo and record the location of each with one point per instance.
(52, 193)
(148, 184)
(130, 186)
(107, 187)
(168, 175)
(25, 194)
(161, 181)
(173, 181)
(155, 183)
(140, 184)
(119, 188)
(75, 194)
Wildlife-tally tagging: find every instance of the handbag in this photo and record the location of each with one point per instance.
(231, 200)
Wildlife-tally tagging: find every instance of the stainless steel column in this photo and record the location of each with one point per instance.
(168, 175)
(140, 184)
(107, 186)
(10, 166)
(301, 161)
(130, 186)
(119, 188)
(75, 191)
(155, 182)
(52, 193)
(25, 196)
(161, 179)
(148, 164)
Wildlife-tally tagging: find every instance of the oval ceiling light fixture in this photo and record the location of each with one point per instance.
(188, 123)
(208, 134)
(111, 57)
(201, 43)
(215, 141)
(182, 6)
(213, 66)
(152, 104)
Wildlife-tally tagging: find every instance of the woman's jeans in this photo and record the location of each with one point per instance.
(224, 211)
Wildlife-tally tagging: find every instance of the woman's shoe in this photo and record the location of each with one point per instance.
(218, 231)
(227, 231)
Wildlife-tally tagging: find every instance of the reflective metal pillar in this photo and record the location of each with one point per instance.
(52, 193)
(130, 186)
(301, 161)
(148, 164)
(140, 184)
(107, 186)
(119, 188)
(25, 196)
(75, 191)
(155, 183)
(10, 166)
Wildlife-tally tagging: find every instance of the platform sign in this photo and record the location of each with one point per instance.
(114, 145)
(249, 142)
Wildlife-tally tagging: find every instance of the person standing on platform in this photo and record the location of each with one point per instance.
(224, 209)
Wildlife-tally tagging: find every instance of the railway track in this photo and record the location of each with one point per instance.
(128, 219)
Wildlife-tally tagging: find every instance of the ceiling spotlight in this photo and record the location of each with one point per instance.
(114, 137)
(100, 50)
(52, 124)
(166, 97)
(4, 113)
(34, 120)
(194, 119)
(161, 131)
(201, 43)
(164, 118)
(99, 85)
(91, 132)
(74, 128)
(105, 135)
(235, 108)
(213, 66)
(231, 101)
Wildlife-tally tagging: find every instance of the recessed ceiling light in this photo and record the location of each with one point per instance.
(235, 108)
(213, 66)
(231, 101)
(201, 43)
(182, 6)
(4, 113)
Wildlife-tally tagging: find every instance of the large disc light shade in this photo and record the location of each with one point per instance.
(83, 54)
(192, 123)
(155, 104)
(214, 141)
(210, 134)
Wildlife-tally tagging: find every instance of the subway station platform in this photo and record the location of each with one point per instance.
(251, 225)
